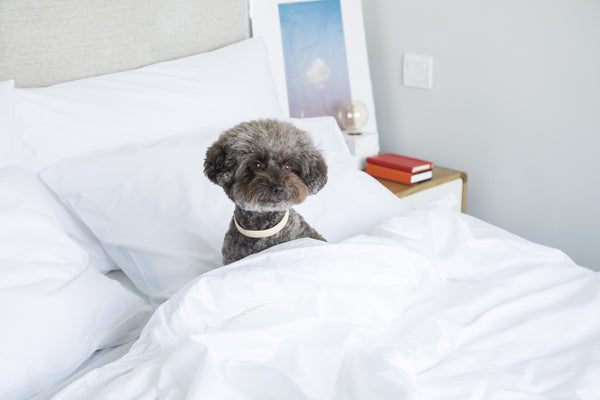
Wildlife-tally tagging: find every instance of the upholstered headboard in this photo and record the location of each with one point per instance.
(43, 42)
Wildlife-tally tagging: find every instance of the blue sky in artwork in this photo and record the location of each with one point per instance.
(315, 57)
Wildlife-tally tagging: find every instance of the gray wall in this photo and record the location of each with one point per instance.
(515, 103)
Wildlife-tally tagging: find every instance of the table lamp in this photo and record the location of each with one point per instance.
(353, 116)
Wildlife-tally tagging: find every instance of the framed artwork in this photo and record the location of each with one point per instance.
(318, 54)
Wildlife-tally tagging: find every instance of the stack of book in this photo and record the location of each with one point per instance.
(395, 167)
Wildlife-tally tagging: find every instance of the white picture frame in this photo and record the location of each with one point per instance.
(265, 20)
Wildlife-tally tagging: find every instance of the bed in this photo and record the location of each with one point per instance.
(111, 282)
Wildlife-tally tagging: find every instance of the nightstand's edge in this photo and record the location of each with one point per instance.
(463, 206)
(440, 175)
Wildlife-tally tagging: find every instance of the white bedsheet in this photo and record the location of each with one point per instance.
(432, 305)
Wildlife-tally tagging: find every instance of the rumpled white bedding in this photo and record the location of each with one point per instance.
(431, 305)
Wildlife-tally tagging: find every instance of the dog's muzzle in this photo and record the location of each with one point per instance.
(278, 194)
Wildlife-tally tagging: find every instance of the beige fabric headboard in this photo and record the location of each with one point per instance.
(43, 42)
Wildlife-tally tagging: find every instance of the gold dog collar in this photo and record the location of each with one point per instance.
(264, 233)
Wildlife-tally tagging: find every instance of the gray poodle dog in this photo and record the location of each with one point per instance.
(265, 167)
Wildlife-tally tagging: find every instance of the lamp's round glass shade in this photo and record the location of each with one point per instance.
(353, 116)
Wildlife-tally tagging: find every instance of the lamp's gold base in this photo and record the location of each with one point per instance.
(354, 133)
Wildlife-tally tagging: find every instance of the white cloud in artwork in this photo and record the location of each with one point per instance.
(318, 73)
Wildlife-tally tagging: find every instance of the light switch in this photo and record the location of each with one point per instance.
(418, 71)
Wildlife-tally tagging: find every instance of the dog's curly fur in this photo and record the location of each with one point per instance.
(265, 167)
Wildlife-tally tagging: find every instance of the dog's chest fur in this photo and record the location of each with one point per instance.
(237, 246)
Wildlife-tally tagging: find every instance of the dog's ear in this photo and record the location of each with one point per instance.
(314, 171)
(219, 166)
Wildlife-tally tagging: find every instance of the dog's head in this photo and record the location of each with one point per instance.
(266, 165)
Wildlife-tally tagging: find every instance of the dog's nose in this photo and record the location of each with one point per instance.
(278, 193)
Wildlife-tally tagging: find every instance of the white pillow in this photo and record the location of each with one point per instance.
(163, 221)
(78, 231)
(10, 155)
(209, 91)
(7, 115)
(56, 310)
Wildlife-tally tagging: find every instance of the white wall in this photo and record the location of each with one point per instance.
(515, 103)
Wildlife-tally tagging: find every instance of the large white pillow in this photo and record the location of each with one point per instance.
(78, 231)
(209, 91)
(7, 123)
(10, 154)
(163, 221)
(55, 308)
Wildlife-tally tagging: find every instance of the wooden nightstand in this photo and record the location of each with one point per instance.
(444, 181)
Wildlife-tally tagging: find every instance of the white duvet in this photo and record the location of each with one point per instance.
(431, 305)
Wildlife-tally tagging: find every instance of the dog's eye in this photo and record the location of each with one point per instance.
(288, 167)
(255, 166)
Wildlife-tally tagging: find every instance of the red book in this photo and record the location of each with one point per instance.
(403, 163)
(397, 175)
